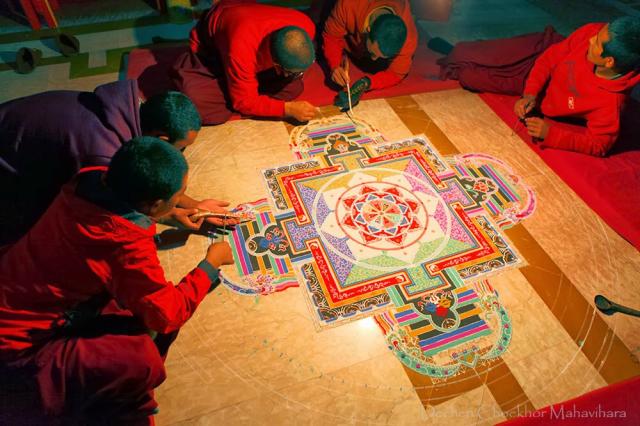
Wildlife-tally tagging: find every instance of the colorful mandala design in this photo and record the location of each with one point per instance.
(453, 346)
(392, 228)
(331, 136)
(495, 187)
(396, 230)
(381, 212)
(272, 240)
(378, 224)
(382, 217)
(261, 252)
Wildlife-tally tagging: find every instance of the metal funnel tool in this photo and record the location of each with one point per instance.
(608, 307)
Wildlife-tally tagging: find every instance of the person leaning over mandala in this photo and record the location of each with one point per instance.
(86, 313)
(249, 58)
(40, 151)
(379, 36)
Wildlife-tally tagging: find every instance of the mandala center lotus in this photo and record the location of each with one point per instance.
(381, 215)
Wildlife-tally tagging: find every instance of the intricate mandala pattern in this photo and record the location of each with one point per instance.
(262, 253)
(384, 214)
(495, 187)
(381, 215)
(438, 341)
(369, 225)
(331, 136)
(271, 240)
(478, 188)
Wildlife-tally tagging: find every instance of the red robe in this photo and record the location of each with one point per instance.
(80, 251)
(346, 28)
(575, 91)
(237, 31)
(499, 65)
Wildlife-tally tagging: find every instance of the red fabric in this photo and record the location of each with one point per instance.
(609, 185)
(346, 27)
(151, 69)
(77, 379)
(496, 66)
(206, 86)
(574, 90)
(76, 251)
(237, 32)
(616, 404)
(115, 373)
(30, 14)
(33, 8)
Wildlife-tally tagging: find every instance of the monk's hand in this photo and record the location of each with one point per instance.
(217, 206)
(219, 254)
(300, 110)
(181, 216)
(537, 127)
(339, 76)
(524, 105)
(357, 90)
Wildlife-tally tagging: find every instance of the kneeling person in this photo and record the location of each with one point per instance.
(249, 58)
(379, 35)
(94, 247)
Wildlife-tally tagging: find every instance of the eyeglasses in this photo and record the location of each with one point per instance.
(289, 74)
(292, 75)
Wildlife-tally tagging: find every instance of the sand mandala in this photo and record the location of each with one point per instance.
(332, 135)
(390, 229)
(496, 187)
(381, 226)
(449, 331)
(260, 252)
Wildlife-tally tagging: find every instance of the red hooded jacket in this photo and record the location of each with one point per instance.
(575, 91)
(79, 250)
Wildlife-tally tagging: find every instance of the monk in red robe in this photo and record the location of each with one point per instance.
(249, 58)
(379, 35)
(82, 294)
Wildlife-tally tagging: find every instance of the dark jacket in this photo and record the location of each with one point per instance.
(46, 138)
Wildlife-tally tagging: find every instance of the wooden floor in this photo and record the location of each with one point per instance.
(244, 360)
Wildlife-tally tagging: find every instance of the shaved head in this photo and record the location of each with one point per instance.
(390, 32)
(292, 48)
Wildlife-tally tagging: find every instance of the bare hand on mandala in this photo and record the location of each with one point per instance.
(217, 206)
(300, 110)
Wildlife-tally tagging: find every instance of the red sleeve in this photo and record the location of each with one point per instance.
(243, 90)
(547, 61)
(597, 139)
(335, 30)
(383, 79)
(140, 286)
(242, 82)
